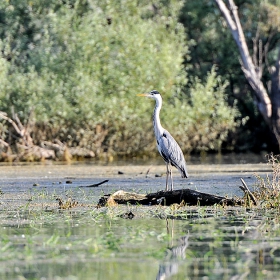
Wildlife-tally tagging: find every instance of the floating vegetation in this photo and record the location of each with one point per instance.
(66, 204)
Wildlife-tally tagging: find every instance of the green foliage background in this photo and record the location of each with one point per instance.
(78, 65)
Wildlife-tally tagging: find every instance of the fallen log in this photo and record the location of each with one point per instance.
(167, 198)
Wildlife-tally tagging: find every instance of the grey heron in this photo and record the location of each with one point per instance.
(166, 144)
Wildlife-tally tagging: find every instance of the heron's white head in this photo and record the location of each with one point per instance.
(153, 94)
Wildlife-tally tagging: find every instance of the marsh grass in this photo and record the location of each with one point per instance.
(67, 204)
(267, 190)
(34, 235)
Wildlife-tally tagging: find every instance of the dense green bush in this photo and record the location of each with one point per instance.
(202, 120)
(78, 66)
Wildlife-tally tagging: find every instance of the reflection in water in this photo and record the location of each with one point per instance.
(173, 255)
(225, 247)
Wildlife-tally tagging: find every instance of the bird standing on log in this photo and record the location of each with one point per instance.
(166, 144)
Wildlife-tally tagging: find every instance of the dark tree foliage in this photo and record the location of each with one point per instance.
(212, 43)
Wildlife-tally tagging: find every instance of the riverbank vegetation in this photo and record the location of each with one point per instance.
(70, 72)
(267, 190)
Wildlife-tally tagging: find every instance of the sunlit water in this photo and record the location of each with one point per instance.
(38, 241)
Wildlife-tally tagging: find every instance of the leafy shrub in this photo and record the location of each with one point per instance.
(78, 66)
(201, 120)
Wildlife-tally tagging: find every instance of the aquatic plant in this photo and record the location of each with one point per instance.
(267, 190)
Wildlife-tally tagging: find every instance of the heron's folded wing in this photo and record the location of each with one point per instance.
(172, 151)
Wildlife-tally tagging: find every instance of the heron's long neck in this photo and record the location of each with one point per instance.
(157, 125)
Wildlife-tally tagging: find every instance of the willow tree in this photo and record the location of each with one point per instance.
(253, 63)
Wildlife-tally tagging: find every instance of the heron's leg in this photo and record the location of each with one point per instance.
(170, 170)
(167, 174)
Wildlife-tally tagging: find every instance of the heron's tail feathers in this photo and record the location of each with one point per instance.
(182, 168)
(184, 173)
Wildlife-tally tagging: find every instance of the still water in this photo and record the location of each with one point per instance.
(39, 241)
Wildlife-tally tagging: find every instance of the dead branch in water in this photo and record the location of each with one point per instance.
(95, 185)
(247, 192)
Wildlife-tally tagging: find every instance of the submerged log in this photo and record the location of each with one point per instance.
(167, 198)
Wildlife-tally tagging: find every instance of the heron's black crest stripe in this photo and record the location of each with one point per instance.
(154, 92)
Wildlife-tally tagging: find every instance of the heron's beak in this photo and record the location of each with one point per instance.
(143, 94)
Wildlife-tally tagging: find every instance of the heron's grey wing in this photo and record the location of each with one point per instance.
(171, 152)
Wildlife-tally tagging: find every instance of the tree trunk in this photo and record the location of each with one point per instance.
(268, 106)
(275, 99)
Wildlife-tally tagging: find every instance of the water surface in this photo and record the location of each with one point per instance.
(39, 241)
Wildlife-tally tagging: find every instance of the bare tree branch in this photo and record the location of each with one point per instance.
(4, 116)
(4, 143)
